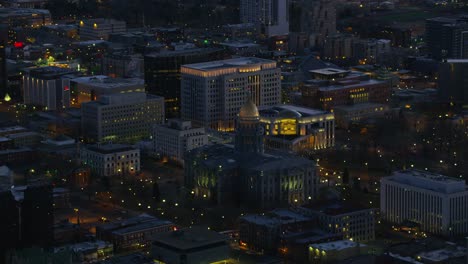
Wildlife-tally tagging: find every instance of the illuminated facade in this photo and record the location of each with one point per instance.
(123, 118)
(436, 202)
(295, 128)
(110, 160)
(100, 28)
(47, 87)
(244, 174)
(213, 92)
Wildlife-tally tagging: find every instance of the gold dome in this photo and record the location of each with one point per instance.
(249, 110)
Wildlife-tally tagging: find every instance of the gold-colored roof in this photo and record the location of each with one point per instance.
(249, 109)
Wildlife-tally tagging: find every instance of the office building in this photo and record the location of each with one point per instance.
(123, 65)
(369, 51)
(330, 88)
(343, 218)
(122, 118)
(315, 18)
(172, 140)
(295, 128)
(244, 174)
(436, 203)
(92, 88)
(338, 46)
(447, 37)
(348, 114)
(213, 92)
(453, 86)
(190, 245)
(25, 17)
(47, 87)
(270, 16)
(100, 28)
(264, 232)
(135, 233)
(111, 160)
(163, 77)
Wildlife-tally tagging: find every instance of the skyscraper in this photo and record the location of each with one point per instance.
(213, 92)
(270, 16)
(447, 37)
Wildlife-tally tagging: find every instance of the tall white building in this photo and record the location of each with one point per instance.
(126, 117)
(213, 92)
(172, 140)
(112, 159)
(270, 16)
(47, 87)
(438, 203)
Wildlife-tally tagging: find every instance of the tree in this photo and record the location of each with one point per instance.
(156, 192)
(346, 176)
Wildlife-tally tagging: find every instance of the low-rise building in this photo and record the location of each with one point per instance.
(191, 246)
(88, 252)
(263, 232)
(349, 114)
(134, 233)
(172, 140)
(295, 128)
(111, 159)
(355, 223)
(334, 251)
(6, 176)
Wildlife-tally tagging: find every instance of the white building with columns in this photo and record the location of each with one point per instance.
(437, 203)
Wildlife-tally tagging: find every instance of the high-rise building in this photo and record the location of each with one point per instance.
(172, 140)
(162, 73)
(317, 18)
(4, 91)
(270, 16)
(435, 202)
(453, 84)
(447, 37)
(47, 87)
(122, 118)
(213, 92)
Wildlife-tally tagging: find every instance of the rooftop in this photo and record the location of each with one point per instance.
(428, 181)
(189, 238)
(354, 85)
(302, 111)
(110, 148)
(335, 245)
(329, 71)
(275, 218)
(231, 63)
(103, 81)
(142, 226)
(334, 208)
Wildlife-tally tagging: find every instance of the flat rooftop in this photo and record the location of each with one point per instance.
(189, 238)
(328, 71)
(142, 226)
(302, 111)
(354, 85)
(106, 82)
(428, 181)
(276, 217)
(334, 208)
(110, 148)
(336, 245)
(231, 63)
(183, 52)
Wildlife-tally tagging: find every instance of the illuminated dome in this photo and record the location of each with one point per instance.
(249, 110)
(289, 114)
